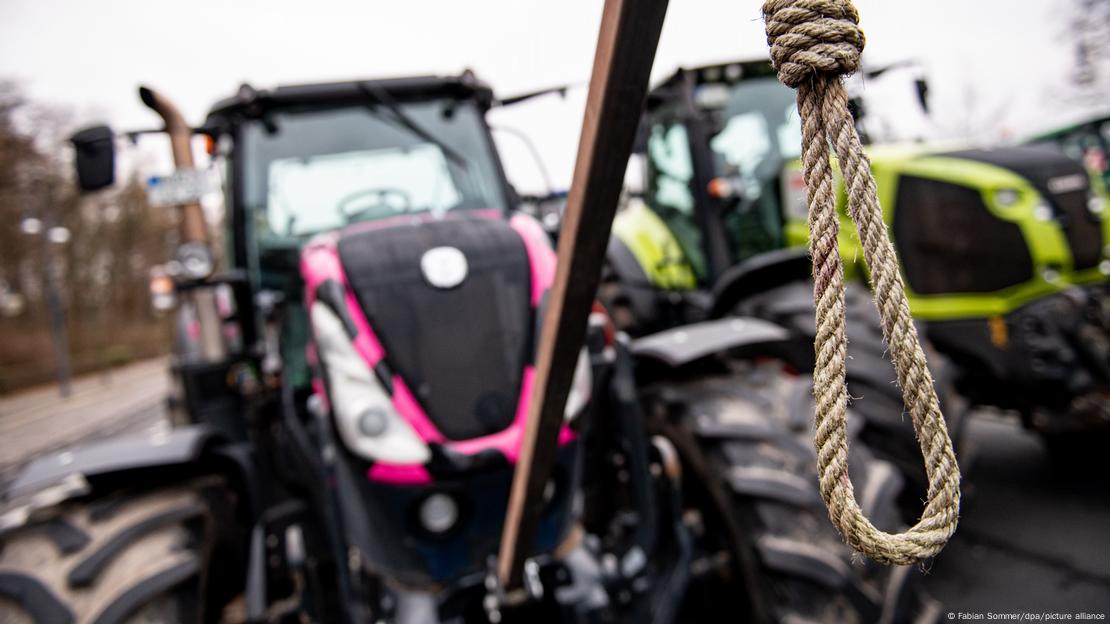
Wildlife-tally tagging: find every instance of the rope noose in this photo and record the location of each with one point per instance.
(813, 43)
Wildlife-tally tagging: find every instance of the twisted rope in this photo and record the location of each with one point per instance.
(813, 43)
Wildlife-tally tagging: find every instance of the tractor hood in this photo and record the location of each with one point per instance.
(1064, 185)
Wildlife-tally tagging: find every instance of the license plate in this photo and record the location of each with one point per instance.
(186, 186)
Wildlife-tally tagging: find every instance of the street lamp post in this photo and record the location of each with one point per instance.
(56, 235)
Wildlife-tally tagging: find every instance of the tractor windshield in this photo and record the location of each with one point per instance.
(309, 171)
(757, 131)
(747, 132)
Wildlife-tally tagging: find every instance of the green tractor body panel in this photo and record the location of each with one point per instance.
(796, 214)
(655, 248)
(1008, 197)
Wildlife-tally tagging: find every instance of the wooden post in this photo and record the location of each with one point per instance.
(622, 66)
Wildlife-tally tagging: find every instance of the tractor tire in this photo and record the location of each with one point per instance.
(874, 395)
(126, 557)
(747, 442)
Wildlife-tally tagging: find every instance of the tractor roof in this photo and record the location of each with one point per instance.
(252, 102)
(725, 73)
(1083, 123)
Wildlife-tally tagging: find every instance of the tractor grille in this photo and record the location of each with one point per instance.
(461, 350)
(949, 241)
(1045, 167)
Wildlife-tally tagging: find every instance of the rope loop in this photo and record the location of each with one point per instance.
(809, 37)
(814, 42)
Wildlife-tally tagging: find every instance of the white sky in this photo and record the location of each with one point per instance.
(1009, 56)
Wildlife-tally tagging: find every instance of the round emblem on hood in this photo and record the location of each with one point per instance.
(443, 267)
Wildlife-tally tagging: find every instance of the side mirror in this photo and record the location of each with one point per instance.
(922, 87)
(96, 158)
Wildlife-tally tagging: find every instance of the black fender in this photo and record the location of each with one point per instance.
(758, 274)
(684, 345)
(170, 453)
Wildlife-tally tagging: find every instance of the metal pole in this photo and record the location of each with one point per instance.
(53, 299)
(625, 52)
(58, 333)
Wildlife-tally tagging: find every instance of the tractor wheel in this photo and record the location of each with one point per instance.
(747, 442)
(875, 396)
(123, 558)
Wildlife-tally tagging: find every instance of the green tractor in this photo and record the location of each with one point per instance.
(1005, 252)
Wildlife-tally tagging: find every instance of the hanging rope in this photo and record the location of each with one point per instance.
(813, 43)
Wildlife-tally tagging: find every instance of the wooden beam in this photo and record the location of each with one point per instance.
(625, 53)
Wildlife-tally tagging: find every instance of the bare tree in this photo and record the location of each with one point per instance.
(101, 271)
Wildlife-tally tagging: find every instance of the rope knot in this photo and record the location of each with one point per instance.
(809, 37)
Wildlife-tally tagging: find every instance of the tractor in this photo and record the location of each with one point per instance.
(1005, 252)
(350, 411)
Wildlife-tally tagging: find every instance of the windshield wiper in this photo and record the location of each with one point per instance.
(377, 94)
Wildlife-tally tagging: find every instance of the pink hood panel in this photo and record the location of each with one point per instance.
(320, 262)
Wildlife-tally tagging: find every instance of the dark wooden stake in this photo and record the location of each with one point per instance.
(622, 66)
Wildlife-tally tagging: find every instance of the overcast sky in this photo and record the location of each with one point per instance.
(995, 66)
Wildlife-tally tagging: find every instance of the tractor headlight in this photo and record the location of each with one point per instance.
(368, 424)
(1042, 212)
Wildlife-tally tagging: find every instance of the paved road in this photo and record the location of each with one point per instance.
(1032, 537)
(37, 421)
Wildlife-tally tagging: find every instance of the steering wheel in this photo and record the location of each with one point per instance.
(385, 202)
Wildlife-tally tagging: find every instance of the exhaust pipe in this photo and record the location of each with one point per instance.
(194, 230)
(193, 227)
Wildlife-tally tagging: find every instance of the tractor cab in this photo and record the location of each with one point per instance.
(305, 160)
(715, 142)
